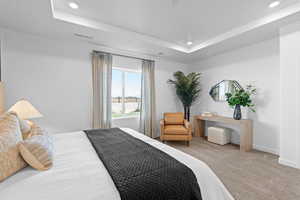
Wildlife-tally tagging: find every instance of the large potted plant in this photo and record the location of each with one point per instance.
(241, 97)
(187, 89)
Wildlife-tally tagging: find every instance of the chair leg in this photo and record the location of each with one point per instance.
(188, 143)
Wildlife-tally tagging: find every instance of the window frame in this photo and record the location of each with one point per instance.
(123, 71)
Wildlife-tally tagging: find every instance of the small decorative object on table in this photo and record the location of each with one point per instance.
(241, 97)
(208, 114)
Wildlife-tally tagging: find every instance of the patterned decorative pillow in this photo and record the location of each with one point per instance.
(25, 128)
(10, 135)
(37, 151)
(36, 130)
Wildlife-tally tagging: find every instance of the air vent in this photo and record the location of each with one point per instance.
(83, 36)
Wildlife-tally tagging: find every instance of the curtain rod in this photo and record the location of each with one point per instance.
(114, 54)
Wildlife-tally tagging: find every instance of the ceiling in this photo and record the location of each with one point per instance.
(153, 26)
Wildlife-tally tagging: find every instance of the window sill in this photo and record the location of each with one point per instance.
(126, 117)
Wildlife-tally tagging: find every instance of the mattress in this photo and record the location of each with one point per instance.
(77, 165)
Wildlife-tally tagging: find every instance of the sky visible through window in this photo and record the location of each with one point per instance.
(132, 84)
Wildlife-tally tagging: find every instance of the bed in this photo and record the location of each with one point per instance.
(77, 165)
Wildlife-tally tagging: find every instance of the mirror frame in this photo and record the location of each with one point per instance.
(216, 85)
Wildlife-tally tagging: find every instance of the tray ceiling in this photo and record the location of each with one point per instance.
(153, 27)
(173, 23)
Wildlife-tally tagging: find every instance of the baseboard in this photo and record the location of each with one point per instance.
(266, 149)
(287, 163)
(262, 148)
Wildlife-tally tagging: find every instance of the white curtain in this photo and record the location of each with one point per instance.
(148, 113)
(102, 72)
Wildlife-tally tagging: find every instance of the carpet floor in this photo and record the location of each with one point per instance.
(253, 175)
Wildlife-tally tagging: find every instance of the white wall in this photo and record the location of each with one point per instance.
(259, 65)
(290, 95)
(56, 77)
(53, 75)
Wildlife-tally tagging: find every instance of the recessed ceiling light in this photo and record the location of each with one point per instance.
(274, 4)
(189, 43)
(73, 5)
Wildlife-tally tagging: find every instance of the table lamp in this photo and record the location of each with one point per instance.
(25, 110)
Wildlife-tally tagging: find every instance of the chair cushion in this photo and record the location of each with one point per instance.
(10, 135)
(175, 130)
(174, 118)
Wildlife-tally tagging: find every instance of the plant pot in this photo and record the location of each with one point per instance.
(237, 115)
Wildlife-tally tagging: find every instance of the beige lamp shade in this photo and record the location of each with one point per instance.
(25, 110)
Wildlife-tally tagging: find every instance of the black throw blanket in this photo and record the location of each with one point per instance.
(141, 171)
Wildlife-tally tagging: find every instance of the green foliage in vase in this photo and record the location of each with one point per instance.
(187, 88)
(242, 97)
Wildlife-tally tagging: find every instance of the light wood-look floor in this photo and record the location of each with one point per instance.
(248, 176)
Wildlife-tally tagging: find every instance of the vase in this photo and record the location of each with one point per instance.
(237, 115)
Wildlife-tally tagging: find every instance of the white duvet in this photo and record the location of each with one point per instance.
(78, 174)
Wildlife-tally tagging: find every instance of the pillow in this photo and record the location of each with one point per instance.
(37, 151)
(10, 135)
(25, 128)
(36, 130)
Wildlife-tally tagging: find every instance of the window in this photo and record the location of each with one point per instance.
(126, 93)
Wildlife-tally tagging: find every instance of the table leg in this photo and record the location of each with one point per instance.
(199, 127)
(246, 136)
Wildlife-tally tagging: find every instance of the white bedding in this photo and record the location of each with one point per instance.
(77, 165)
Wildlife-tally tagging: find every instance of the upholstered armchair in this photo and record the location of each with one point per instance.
(175, 128)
